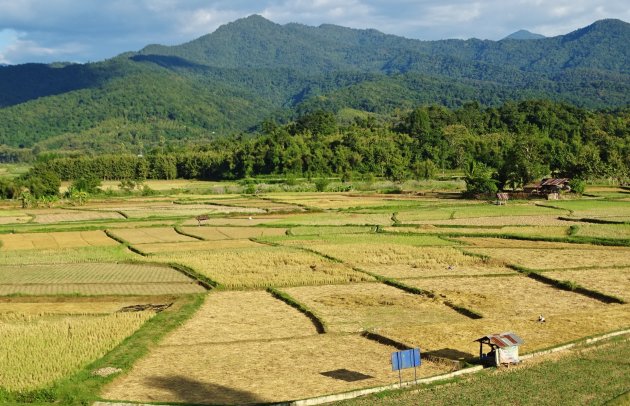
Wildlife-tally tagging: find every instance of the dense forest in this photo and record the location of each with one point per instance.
(506, 146)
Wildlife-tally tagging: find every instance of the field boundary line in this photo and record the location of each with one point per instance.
(179, 231)
(320, 325)
(201, 280)
(125, 243)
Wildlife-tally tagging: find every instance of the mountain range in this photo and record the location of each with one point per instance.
(253, 69)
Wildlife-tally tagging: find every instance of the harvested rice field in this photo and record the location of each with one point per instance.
(94, 279)
(371, 307)
(264, 266)
(611, 281)
(233, 233)
(276, 370)
(60, 240)
(550, 258)
(150, 235)
(61, 292)
(241, 316)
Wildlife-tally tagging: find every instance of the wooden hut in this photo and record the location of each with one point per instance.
(548, 187)
(503, 349)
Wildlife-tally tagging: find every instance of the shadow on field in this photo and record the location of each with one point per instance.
(187, 390)
(450, 353)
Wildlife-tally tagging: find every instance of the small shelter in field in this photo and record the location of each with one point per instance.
(503, 349)
(550, 187)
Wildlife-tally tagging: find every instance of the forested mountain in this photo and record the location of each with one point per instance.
(524, 35)
(253, 69)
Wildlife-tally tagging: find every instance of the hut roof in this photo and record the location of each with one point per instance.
(502, 340)
(554, 181)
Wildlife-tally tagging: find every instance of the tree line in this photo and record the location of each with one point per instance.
(510, 145)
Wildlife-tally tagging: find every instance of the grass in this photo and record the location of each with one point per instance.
(587, 376)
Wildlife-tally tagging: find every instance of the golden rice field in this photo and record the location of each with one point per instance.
(57, 240)
(150, 235)
(331, 200)
(329, 230)
(100, 289)
(241, 316)
(489, 242)
(371, 307)
(261, 205)
(232, 233)
(612, 281)
(37, 350)
(179, 210)
(14, 219)
(259, 371)
(336, 219)
(264, 266)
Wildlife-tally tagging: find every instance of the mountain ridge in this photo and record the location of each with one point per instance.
(253, 69)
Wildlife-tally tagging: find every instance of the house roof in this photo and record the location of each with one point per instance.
(502, 340)
(553, 181)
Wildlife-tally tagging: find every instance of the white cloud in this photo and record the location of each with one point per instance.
(98, 29)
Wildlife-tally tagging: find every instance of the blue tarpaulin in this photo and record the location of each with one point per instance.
(405, 359)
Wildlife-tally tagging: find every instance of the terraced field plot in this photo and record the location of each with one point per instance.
(371, 307)
(528, 231)
(237, 221)
(241, 316)
(179, 210)
(604, 230)
(75, 307)
(594, 208)
(38, 350)
(465, 212)
(550, 258)
(151, 235)
(61, 216)
(264, 266)
(94, 279)
(278, 370)
(498, 221)
(231, 233)
(264, 205)
(58, 240)
(330, 230)
(327, 201)
(336, 219)
(612, 281)
(114, 253)
(191, 247)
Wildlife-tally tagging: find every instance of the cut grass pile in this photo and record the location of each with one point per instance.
(589, 376)
(94, 279)
(150, 235)
(279, 370)
(612, 281)
(264, 266)
(241, 316)
(370, 307)
(37, 350)
(231, 233)
(43, 241)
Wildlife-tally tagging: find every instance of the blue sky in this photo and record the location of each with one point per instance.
(92, 30)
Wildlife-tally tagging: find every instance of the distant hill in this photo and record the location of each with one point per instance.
(253, 69)
(523, 35)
